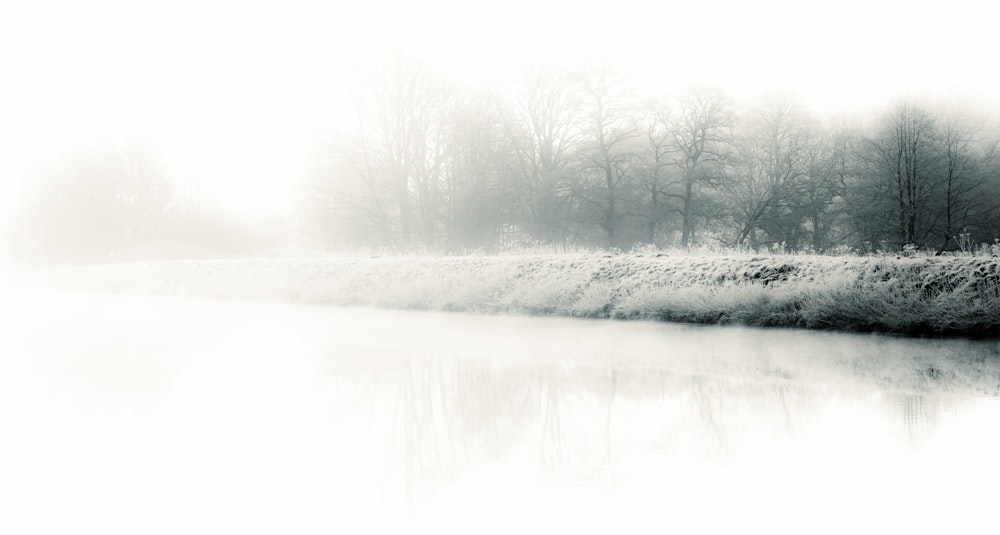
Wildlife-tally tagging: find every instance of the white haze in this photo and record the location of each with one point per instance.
(155, 415)
(129, 414)
(234, 94)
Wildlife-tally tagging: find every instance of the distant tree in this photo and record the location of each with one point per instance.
(966, 158)
(608, 153)
(699, 127)
(987, 219)
(824, 202)
(386, 174)
(95, 203)
(480, 191)
(658, 170)
(348, 199)
(570, 159)
(541, 123)
(905, 169)
(769, 175)
(411, 110)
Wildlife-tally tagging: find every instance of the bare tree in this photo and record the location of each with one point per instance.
(96, 203)
(770, 170)
(607, 155)
(833, 167)
(563, 159)
(480, 191)
(541, 124)
(658, 156)
(412, 106)
(348, 195)
(700, 127)
(964, 160)
(389, 169)
(905, 163)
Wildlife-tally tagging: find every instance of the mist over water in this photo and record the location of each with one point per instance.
(290, 151)
(155, 415)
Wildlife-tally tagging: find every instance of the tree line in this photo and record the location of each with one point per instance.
(116, 200)
(575, 159)
(559, 160)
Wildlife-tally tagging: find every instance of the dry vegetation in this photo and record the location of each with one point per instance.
(925, 295)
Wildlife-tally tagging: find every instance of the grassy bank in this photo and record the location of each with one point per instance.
(930, 295)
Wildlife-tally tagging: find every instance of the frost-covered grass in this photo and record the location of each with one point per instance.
(924, 295)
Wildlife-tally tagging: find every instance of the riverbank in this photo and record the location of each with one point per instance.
(924, 295)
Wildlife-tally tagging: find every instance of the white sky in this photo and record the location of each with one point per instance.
(234, 91)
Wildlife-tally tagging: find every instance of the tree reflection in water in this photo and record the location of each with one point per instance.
(316, 416)
(452, 413)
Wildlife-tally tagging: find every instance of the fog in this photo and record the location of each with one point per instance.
(375, 153)
(243, 106)
(164, 415)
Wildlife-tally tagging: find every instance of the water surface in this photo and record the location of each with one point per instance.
(155, 415)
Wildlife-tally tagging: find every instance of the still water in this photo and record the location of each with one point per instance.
(154, 415)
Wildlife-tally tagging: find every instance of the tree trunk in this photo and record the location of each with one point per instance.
(610, 215)
(687, 229)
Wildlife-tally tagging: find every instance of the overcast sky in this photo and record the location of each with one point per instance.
(233, 92)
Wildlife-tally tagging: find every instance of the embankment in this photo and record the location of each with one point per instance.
(925, 295)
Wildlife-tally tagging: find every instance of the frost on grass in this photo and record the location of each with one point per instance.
(905, 295)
